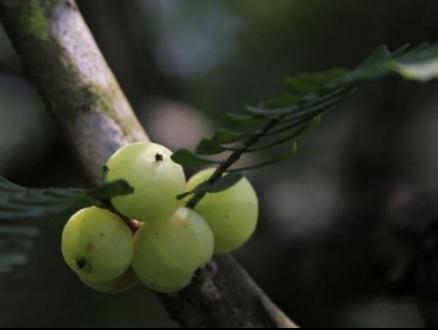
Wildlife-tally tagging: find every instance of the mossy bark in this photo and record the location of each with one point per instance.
(92, 113)
(79, 89)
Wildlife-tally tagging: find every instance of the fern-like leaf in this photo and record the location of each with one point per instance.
(18, 202)
(310, 95)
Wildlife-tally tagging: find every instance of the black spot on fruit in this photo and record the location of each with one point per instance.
(84, 265)
(81, 263)
(159, 158)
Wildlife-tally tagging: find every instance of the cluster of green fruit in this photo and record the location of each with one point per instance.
(172, 241)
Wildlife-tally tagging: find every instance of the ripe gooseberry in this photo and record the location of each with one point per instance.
(231, 214)
(97, 245)
(121, 284)
(167, 253)
(157, 181)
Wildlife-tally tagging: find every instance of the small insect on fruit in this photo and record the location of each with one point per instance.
(231, 214)
(156, 180)
(97, 245)
(167, 253)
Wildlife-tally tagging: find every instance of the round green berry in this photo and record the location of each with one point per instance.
(166, 280)
(167, 253)
(231, 214)
(157, 181)
(97, 245)
(121, 284)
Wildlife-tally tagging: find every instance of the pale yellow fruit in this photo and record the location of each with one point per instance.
(157, 180)
(167, 253)
(231, 214)
(123, 283)
(97, 245)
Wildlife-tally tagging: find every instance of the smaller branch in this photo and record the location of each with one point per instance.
(308, 111)
(234, 157)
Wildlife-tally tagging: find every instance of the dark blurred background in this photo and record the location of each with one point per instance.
(348, 231)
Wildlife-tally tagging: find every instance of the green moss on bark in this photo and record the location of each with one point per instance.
(104, 103)
(33, 20)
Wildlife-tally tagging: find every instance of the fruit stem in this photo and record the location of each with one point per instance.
(234, 157)
(133, 225)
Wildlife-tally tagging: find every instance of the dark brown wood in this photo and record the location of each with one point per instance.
(61, 57)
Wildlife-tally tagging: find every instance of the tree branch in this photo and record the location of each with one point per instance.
(62, 59)
(93, 115)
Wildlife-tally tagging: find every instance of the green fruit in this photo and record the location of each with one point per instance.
(202, 232)
(170, 289)
(123, 283)
(97, 245)
(231, 214)
(157, 181)
(166, 280)
(167, 253)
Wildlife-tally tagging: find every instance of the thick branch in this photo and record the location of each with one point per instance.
(224, 295)
(82, 95)
(61, 57)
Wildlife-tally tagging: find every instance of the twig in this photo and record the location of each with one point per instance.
(234, 157)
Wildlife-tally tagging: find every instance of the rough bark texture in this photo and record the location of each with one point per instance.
(82, 95)
(84, 98)
(224, 295)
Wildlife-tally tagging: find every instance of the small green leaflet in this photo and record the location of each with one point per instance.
(418, 64)
(421, 64)
(309, 83)
(375, 66)
(313, 106)
(224, 136)
(209, 147)
(283, 100)
(185, 157)
(227, 181)
(295, 134)
(244, 120)
(292, 151)
(110, 190)
(224, 183)
(270, 111)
